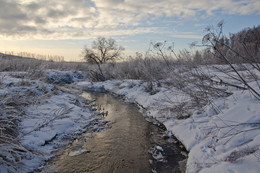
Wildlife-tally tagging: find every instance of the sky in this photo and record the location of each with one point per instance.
(65, 27)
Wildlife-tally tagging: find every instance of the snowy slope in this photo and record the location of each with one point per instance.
(222, 137)
(48, 118)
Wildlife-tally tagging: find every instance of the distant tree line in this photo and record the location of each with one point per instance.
(238, 48)
(241, 47)
(37, 56)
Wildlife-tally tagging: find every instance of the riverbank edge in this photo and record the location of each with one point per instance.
(206, 153)
(145, 111)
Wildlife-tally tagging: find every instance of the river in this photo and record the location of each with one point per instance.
(130, 144)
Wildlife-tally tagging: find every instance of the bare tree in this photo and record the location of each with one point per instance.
(102, 51)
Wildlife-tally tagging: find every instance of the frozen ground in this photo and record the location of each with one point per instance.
(222, 137)
(46, 117)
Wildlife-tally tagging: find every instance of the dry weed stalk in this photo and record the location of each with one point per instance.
(11, 151)
(214, 40)
(12, 111)
(57, 114)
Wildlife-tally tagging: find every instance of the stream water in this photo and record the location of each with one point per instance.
(130, 144)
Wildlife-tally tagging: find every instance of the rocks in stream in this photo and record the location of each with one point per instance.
(157, 154)
(78, 152)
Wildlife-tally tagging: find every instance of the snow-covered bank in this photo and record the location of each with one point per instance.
(37, 119)
(222, 137)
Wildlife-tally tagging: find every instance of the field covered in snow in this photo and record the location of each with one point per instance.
(38, 118)
(223, 136)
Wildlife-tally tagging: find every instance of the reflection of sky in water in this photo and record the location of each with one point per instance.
(121, 148)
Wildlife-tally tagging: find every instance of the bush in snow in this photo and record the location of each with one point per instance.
(64, 77)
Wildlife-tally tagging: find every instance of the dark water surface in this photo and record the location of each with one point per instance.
(132, 144)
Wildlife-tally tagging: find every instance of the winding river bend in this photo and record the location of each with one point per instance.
(132, 144)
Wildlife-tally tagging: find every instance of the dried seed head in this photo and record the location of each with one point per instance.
(158, 44)
(220, 23)
(206, 38)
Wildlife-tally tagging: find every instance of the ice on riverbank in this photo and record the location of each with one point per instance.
(46, 117)
(221, 137)
(224, 135)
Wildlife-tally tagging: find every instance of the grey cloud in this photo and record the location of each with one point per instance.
(11, 29)
(81, 19)
(11, 11)
(39, 20)
(50, 17)
(33, 6)
(13, 19)
(54, 13)
(152, 9)
(42, 17)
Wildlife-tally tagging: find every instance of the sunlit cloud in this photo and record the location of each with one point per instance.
(27, 25)
(61, 19)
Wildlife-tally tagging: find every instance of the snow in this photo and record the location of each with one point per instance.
(51, 118)
(156, 153)
(247, 164)
(78, 152)
(159, 148)
(63, 77)
(222, 137)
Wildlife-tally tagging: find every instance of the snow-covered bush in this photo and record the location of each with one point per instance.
(63, 77)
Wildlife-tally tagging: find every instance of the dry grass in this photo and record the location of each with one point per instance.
(14, 63)
(12, 110)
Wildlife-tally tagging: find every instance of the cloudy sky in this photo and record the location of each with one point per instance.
(64, 27)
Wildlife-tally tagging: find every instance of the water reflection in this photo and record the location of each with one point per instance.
(123, 147)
